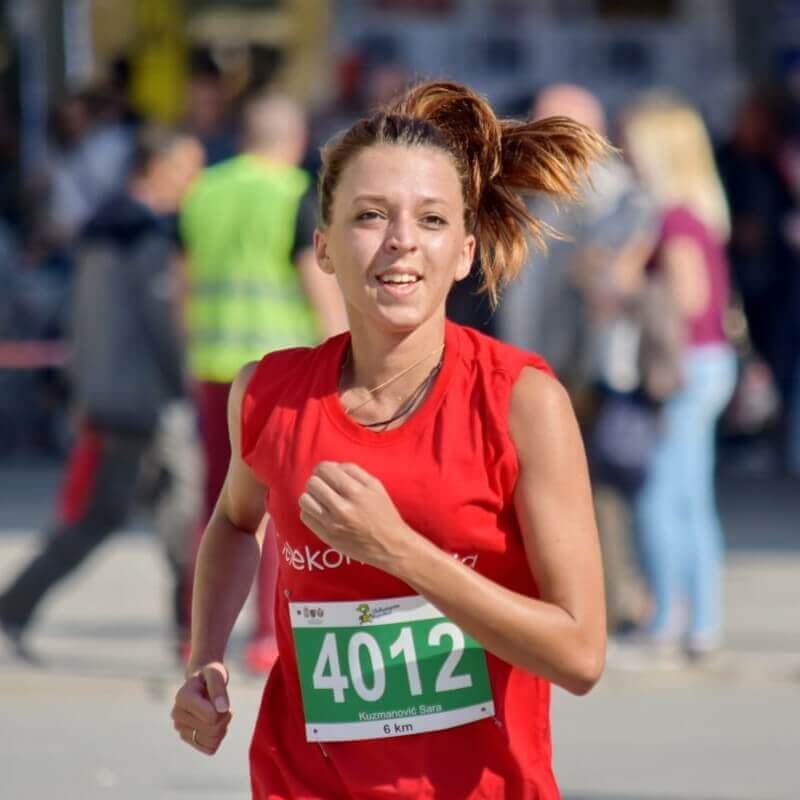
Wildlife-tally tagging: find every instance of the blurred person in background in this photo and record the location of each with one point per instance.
(546, 310)
(359, 86)
(571, 305)
(209, 115)
(87, 161)
(763, 267)
(89, 164)
(120, 103)
(760, 202)
(787, 369)
(680, 534)
(253, 287)
(10, 168)
(129, 383)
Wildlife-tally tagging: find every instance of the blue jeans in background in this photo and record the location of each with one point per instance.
(680, 536)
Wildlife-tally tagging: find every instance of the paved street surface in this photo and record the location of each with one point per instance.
(92, 723)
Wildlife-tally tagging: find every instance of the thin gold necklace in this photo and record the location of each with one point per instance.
(371, 392)
(410, 404)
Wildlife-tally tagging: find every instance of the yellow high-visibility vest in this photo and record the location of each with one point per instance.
(244, 294)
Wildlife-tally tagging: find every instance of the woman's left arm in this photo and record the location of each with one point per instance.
(561, 636)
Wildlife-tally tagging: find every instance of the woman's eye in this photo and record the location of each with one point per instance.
(434, 220)
(368, 215)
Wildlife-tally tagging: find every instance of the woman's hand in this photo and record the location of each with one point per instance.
(350, 510)
(201, 713)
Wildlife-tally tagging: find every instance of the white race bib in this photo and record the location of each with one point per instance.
(381, 668)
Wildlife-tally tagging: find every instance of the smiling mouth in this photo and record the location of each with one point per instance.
(397, 286)
(398, 280)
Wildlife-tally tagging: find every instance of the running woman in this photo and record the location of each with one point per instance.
(439, 556)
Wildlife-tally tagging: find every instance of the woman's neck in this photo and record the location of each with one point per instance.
(377, 357)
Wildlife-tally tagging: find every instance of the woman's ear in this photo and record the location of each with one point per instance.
(321, 252)
(466, 258)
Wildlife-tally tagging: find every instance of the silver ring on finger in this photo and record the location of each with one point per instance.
(194, 736)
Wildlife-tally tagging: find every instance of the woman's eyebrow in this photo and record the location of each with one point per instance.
(369, 198)
(432, 201)
(379, 198)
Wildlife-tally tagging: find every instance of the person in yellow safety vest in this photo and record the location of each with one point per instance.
(253, 286)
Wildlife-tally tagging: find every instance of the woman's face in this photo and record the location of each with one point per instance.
(396, 239)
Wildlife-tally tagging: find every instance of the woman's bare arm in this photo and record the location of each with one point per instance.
(226, 565)
(560, 636)
(229, 552)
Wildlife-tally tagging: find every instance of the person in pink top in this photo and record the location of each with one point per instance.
(679, 527)
(439, 563)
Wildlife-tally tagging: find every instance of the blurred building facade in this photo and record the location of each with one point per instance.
(48, 47)
(706, 49)
(509, 48)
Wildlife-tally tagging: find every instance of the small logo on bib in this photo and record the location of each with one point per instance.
(367, 613)
(313, 615)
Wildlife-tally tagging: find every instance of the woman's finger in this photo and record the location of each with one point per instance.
(191, 698)
(184, 719)
(324, 493)
(314, 523)
(311, 505)
(358, 474)
(192, 737)
(340, 480)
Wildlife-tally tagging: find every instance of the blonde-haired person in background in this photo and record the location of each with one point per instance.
(415, 469)
(682, 544)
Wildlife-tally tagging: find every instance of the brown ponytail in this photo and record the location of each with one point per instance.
(498, 161)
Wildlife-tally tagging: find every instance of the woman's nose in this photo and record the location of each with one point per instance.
(401, 235)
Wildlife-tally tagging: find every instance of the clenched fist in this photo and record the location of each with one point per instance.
(350, 510)
(201, 713)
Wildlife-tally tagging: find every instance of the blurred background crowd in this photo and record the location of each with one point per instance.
(135, 140)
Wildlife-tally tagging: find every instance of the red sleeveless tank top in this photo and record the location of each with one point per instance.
(451, 471)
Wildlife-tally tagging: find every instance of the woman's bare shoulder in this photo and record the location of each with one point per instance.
(540, 414)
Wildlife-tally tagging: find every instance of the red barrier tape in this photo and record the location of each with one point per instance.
(33, 354)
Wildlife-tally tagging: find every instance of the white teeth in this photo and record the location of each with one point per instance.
(398, 278)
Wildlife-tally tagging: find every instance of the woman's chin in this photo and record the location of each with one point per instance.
(401, 323)
(390, 316)
(400, 319)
